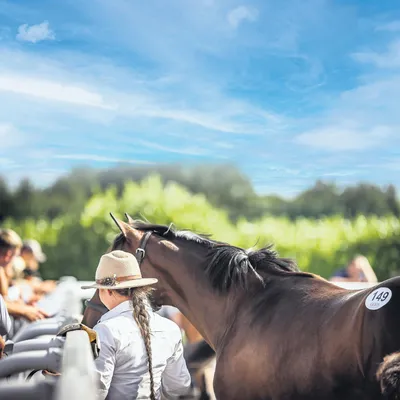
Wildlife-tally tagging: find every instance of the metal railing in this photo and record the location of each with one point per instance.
(35, 347)
(77, 369)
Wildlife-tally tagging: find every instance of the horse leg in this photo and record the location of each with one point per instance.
(198, 356)
(203, 387)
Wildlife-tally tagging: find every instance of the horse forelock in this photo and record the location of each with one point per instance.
(226, 266)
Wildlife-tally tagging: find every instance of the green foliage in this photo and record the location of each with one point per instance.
(224, 186)
(74, 242)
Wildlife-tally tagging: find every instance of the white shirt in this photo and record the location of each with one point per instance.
(122, 365)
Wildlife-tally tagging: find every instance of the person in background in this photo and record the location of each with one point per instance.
(358, 270)
(32, 255)
(18, 267)
(10, 245)
(141, 353)
(19, 290)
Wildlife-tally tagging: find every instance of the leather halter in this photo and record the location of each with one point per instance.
(141, 250)
(140, 255)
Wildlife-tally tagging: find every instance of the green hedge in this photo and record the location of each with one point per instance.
(74, 243)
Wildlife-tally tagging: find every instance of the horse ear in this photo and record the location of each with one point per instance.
(129, 218)
(123, 226)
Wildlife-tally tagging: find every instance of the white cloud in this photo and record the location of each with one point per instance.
(387, 59)
(224, 145)
(340, 173)
(207, 120)
(345, 138)
(393, 26)
(283, 170)
(193, 151)
(50, 90)
(35, 33)
(7, 163)
(359, 119)
(58, 80)
(393, 164)
(242, 13)
(10, 137)
(94, 157)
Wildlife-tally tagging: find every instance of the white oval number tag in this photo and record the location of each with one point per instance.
(378, 298)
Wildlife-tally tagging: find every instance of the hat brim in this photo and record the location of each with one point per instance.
(41, 257)
(124, 285)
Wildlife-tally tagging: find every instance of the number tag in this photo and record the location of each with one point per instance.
(378, 298)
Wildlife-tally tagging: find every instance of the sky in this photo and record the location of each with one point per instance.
(290, 92)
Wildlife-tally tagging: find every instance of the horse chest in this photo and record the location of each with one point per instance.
(254, 377)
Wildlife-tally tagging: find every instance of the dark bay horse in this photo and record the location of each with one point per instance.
(278, 333)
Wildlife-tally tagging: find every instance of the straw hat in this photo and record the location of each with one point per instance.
(119, 270)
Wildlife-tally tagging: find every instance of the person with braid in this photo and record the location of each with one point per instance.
(141, 353)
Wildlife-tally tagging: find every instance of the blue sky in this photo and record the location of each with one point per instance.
(290, 91)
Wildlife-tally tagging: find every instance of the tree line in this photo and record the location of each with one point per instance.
(73, 243)
(224, 186)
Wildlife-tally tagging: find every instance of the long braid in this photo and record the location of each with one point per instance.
(139, 298)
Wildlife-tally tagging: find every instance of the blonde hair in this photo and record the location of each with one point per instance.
(9, 240)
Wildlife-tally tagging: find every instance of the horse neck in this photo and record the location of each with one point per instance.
(193, 296)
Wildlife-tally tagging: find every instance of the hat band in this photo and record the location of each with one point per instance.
(115, 280)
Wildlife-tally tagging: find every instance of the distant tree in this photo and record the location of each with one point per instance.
(6, 201)
(25, 200)
(320, 200)
(224, 185)
(392, 201)
(364, 199)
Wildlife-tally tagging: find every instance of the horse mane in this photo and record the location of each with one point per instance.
(225, 265)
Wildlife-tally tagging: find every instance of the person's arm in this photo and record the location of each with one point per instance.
(105, 362)
(17, 309)
(369, 274)
(176, 379)
(5, 321)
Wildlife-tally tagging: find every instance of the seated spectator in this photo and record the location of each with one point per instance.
(18, 266)
(32, 255)
(10, 245)
(20, 290)
(358, 270)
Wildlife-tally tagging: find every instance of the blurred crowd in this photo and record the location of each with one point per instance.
(21, 284)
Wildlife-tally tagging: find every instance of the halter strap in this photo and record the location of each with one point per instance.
(141, 250)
